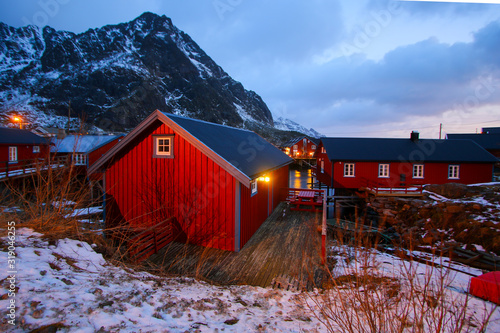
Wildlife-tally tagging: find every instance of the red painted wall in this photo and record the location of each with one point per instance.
(256, 209)
(144, 191)
(96, 154)
(434, 173)
(24, 152)
(324, 177)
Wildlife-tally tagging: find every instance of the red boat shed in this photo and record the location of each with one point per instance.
(216, 184)
(300, 148)
(352, 163)
(486, 286)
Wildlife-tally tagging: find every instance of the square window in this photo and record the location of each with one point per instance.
(349, 170)
(36, 149)
(454, 172)
(418, 171)
(383, 170)
(163, 146)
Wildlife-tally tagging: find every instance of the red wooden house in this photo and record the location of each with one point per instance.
(83, 150)
(215, 184)
(20, 147)
(300, 148)
(351, 163)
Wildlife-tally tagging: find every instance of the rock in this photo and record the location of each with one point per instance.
(450, 190)
(454, 209)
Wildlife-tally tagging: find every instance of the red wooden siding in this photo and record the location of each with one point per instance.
(144, 191)
(434, 173)
(303, 150)
(324, 177)
(256, 209)
(96, 154)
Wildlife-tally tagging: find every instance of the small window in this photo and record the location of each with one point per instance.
(323, 150)
(349, 170)
(383, 170)
(313, 147)
(164, 146)
(322, 163)
(454, 172)
(254, 186)
(79, 159)
(418, 171)
(36, 149)
(12, 154)
(304, 142)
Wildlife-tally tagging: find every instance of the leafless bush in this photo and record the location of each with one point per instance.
(367, 294)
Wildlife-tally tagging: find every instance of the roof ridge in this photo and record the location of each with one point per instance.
(206, 122)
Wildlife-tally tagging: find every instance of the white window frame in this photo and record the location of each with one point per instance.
(418, 171)
(79, 159)
(160, 142)
(304, 142)
(12, 154)
(454, 171)
(313, 147)
(383, 170)
(36, 149)
(349, 170)
(253, 187)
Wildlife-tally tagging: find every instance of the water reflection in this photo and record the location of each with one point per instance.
(301, 178)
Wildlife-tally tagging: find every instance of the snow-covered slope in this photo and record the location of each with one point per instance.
(289, 125)
(116, 75)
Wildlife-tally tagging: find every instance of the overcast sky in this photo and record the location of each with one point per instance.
(346, 68)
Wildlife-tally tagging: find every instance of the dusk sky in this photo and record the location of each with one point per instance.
(345, 68)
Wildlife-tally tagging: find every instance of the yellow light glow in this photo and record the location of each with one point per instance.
(261, 179)
(17, 119)
(267, 179)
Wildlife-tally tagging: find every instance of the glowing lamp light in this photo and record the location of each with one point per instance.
(267, 179)
(261, 179)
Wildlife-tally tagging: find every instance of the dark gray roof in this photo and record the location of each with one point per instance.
(245, 150)
(405, 150)
(491, 130)
(487, 141)
(19, 136)
(81, 143)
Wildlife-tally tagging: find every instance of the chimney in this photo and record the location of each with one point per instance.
(414, 136)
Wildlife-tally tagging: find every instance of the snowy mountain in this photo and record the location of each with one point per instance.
(113, 77)
(289, 125)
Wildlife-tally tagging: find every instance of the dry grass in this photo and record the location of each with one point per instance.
(365, 295)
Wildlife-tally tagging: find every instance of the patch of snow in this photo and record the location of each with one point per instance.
(289, 125)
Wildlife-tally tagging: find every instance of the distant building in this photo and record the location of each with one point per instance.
(18, 146)
(50, 132)
(83, 150)
(215, 184)
(489, 139)
(300, 147)
(352, 163)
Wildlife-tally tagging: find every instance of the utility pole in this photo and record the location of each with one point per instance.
(440, 130)
(69, 115)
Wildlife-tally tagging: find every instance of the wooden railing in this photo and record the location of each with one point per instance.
(150, 240)
(388, 190)
(9, 169)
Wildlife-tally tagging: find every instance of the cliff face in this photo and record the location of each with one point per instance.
(116, 75)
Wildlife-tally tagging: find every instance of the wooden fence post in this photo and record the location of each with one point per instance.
(323, 230)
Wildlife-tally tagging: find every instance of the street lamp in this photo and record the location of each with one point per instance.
(18, 120)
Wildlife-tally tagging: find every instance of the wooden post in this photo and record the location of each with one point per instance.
(323, 231)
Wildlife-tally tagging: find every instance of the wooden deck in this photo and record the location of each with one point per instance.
(283, 253)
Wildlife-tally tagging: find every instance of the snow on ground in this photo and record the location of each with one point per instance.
(69, 283)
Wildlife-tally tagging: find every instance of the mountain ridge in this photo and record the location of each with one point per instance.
(116, 75)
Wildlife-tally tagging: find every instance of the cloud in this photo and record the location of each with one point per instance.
(427, 78)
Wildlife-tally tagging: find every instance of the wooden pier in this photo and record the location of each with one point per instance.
(284, 253)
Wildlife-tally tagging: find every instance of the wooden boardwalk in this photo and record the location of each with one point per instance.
(284, 253)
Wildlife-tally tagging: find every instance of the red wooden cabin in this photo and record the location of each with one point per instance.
(352, 163)
(20, 147)
(84, 150)
(300, 148)
(215, 184)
